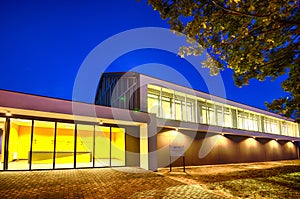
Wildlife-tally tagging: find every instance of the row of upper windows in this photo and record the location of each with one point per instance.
(169, 104)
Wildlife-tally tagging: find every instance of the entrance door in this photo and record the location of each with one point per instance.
(109, 146)
(102, 146)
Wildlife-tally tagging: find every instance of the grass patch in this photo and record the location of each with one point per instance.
(278, 182)
(275, 182)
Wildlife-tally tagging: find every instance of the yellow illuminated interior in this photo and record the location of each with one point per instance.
(109, 148)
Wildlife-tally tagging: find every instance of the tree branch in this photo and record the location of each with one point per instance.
(238, 12)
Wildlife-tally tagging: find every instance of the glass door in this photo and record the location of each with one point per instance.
(102, 146)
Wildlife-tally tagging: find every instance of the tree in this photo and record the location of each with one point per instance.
(256, 39)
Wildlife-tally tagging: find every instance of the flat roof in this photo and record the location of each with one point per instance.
(39, 106)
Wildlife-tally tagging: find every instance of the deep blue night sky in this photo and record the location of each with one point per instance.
(43, 44)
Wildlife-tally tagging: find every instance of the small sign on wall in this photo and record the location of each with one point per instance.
(177, 151)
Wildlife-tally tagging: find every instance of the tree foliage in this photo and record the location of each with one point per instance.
(256, 39)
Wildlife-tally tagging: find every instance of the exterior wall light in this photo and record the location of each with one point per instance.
(8, 114)
(254, 137)
(101, 122)
(222, 134)
(176, 129)
(276, 139)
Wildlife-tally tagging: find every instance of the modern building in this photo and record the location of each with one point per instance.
(138, 121)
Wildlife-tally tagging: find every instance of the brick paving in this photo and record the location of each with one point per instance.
(122, 182)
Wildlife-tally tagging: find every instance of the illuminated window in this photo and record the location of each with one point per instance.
(43, 145)
(167, 106)
(19, 144)
(227, 117)
(176, 105)
(64, 151)
(117, 146)
(153, 104)
(190, 109)
(211, 114)
(102, 146)
(204, 114)
(219, 113)
(284, 129)
(180, 106)
(84, 145)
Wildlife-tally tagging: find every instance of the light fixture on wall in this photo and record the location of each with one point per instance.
(276, 139)
(254, 137)
(222, 134)
(101, 122)
(8, 114)
(176, 129)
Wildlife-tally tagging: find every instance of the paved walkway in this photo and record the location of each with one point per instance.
(96, 183)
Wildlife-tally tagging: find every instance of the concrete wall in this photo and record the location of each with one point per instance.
(203, 148)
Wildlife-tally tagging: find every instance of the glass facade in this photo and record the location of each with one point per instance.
(37, 144)
(170, 104)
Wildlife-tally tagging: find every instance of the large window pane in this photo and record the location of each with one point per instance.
(64, 152)
(219, 113)
(227, 117)
(180, 106)
(204, 114)
(102, 146)
(211, 114)
(43, 145)
(117, 146)
(19, 144)
(190, 109)
(167, 105)
(84, 146)
(166, 108)
(153, 104)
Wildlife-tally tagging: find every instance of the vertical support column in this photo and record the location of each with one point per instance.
(196, 111)
(152, 143)
(207, 110)
(75, 145)
(144, 147)
(174, 105)
(54, 145)
(160, 104)
(110, 153)
(223, 117)
(31, 140)
(216, 116)
(94, 144)
(185, 111)
(262, 124)
(6, 142)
